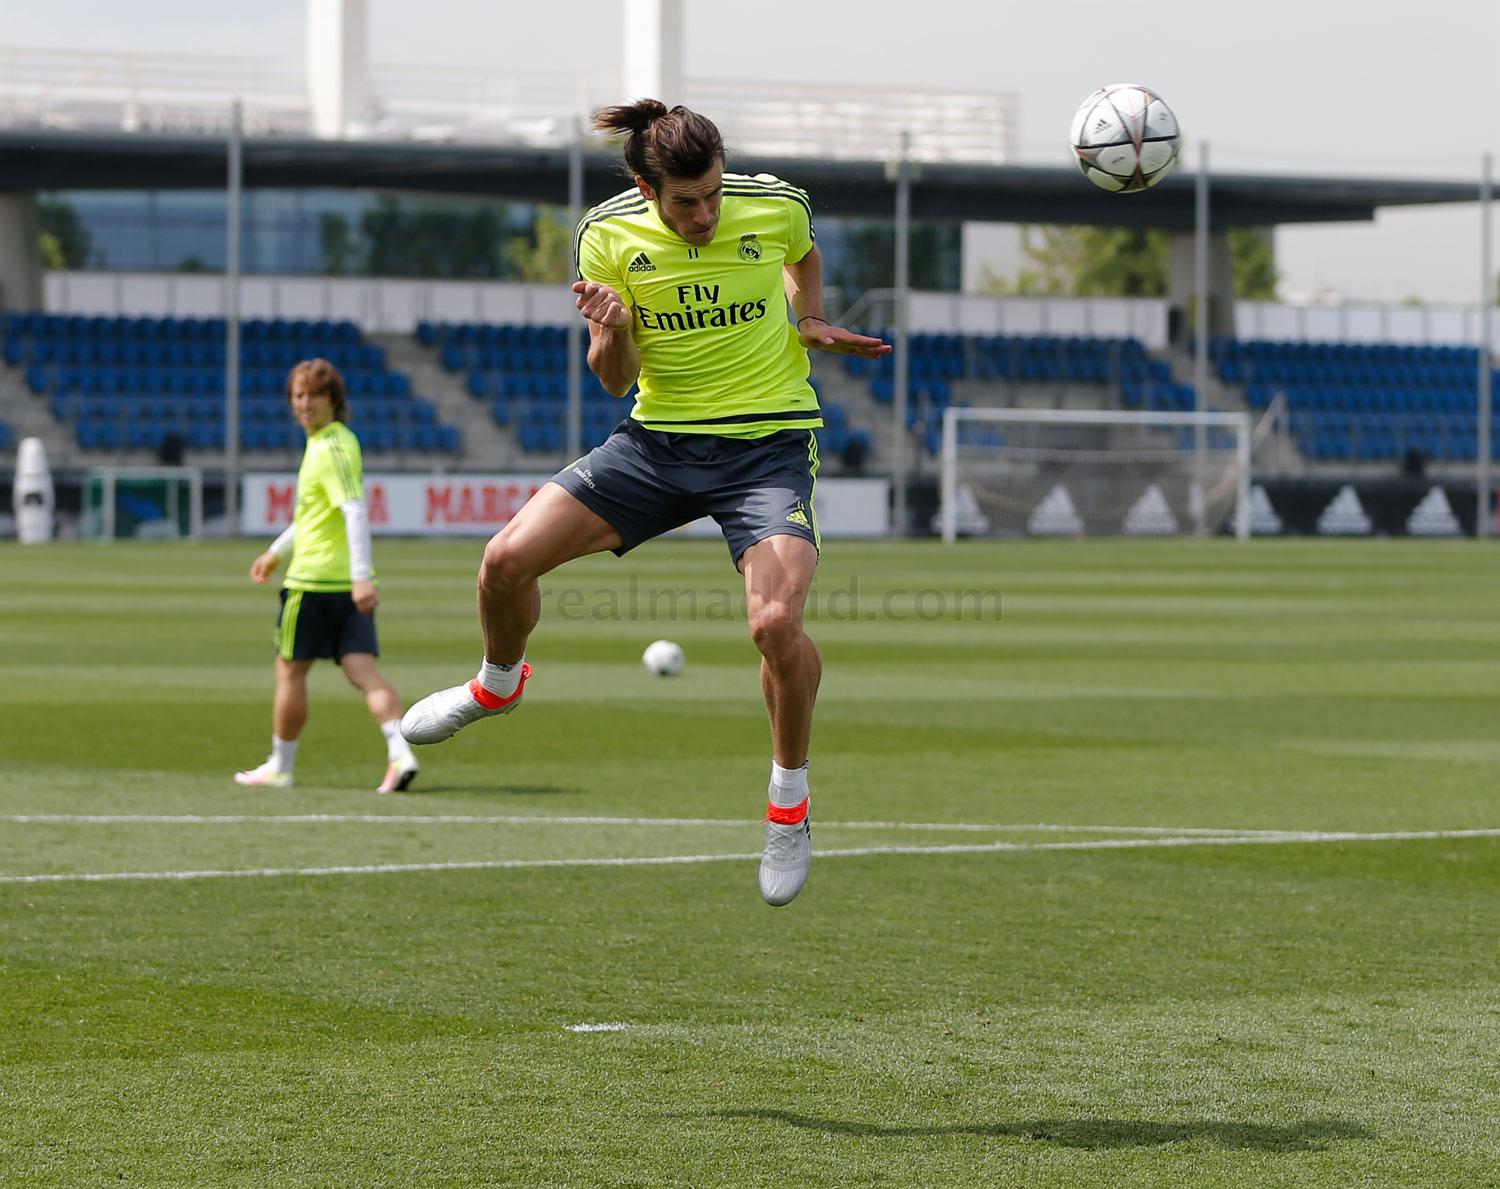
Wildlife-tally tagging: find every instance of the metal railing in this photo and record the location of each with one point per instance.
(1275, 419)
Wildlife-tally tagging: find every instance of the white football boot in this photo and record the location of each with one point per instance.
(264, 776)
(442, 715)
(788, 855)
(399, 774)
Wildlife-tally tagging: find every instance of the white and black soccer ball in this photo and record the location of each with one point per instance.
(1125, 138)
(662, 658)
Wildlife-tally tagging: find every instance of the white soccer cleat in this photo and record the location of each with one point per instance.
(442, 715)
(399, 774)
(788, 855)
(266, 776)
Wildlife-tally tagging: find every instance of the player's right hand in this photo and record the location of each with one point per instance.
(601, 304)
(263, 566)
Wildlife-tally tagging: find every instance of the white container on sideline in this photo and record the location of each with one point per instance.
(33, 494)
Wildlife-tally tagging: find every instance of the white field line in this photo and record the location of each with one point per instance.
(457, 819)
(668, 860)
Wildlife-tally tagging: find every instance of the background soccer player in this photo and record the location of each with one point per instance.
(328, 597)
(685, 282)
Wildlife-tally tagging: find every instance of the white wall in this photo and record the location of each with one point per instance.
(1361, 323)
(383, 306)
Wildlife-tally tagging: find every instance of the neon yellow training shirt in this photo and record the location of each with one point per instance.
(331, 472)
(718, 354)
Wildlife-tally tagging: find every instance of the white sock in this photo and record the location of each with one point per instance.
(788, 786)
(283, 753)
(500, 680)
(396, 748)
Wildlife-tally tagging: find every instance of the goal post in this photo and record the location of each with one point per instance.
(143, 503)
(1083, 472)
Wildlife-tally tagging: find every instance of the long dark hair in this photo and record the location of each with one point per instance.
(662, 143)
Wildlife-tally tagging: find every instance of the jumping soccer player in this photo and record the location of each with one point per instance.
(685, 280)
(328, 597)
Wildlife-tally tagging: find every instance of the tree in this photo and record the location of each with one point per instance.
(1123, 262)
(1254, 263)
(545, 256)
(869, 257)
(1088, 262)
(434, 240)
(65, 242)
(336, 249)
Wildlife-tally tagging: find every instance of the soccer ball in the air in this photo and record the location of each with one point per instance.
(662, 658)
(1124, 137)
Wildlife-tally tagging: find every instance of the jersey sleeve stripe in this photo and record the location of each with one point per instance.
(599, 215)
(757, 183)
(790, 193)
(345, 469)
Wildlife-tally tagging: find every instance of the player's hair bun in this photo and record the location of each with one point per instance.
(662, 142)
(630, 117)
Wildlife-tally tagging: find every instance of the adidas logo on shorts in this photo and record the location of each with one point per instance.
(641, 263)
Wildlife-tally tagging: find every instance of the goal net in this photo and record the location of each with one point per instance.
(143, 503)
(1085, 473)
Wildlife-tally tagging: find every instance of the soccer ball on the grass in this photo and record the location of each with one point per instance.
(662, 658)
(1125, 137)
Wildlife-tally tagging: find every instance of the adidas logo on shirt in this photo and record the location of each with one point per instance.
(641, 263)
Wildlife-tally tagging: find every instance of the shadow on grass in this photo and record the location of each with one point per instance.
(1311, 1135)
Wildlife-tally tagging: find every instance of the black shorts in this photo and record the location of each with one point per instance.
(644, 483)
(313, 625)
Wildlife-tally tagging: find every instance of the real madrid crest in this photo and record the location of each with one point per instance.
(749, 248)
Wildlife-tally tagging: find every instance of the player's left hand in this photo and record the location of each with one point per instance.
(263, 566)
(365, 597)
(821, 336)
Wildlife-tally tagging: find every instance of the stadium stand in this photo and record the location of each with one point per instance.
(939, 360)
(136, 383)
(522, 372)
(7, 438)
(1363, 402)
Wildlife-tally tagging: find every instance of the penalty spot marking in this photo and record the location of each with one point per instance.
(845, 853)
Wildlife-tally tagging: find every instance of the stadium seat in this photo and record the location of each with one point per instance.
(178, 363)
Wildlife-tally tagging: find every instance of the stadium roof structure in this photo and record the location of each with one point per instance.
(48, 160)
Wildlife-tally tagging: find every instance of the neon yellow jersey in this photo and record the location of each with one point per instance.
(331, 472)
(718, 353)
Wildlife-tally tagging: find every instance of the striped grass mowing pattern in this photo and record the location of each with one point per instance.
(1180, 868)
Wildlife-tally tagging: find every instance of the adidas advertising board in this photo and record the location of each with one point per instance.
(1433, 516)
(1395, 507)
(1055, 516)
(1264, 522)
(1149, 516)
(1345, 515)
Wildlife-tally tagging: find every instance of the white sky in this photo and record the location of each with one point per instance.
(1309, 86)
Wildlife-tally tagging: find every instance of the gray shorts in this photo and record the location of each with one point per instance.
(644, 483)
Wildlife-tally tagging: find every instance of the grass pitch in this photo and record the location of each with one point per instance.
(1173, 872)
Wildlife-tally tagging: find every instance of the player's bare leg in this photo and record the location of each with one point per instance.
(385, 708)
(288, 717)
(553, 527)
(778, 575)
(289, 710)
